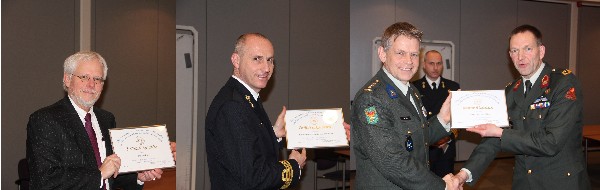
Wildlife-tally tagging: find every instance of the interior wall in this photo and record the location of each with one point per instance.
(193, 13)
(34, 51)
(136, 39)
(587, 62)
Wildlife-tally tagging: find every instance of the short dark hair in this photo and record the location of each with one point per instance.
(527, 28)
(399, 29)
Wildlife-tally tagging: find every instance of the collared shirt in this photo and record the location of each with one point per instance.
(404, 88)
(430, 82)
(255, 94)
(96, 127)
(535, 76)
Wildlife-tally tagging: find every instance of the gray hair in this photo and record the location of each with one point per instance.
(72, 62)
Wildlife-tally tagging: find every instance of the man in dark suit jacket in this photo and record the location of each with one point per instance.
(545, 110)
(67, 140)
(241, 144)
(390, 131)
(434, 89)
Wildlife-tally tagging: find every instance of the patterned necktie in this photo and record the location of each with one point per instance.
(92, 135)
(93, 141)
(527, 87)
(434, 86)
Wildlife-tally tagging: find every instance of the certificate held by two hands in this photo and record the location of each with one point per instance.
(142, 148)
(315, 128)
(470, 108)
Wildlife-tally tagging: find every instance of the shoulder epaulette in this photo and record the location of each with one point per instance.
(563, 72)
(369, 88)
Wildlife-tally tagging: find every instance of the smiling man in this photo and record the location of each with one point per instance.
(68, 146)
(242, 146)
(390, 130)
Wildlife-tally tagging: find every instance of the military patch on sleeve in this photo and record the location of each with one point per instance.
(571, 94)
(371, 115)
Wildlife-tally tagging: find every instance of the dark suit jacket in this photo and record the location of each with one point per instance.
(382, 120)
(442, 162)
(241, 147)
(546, 140)
(59, 151)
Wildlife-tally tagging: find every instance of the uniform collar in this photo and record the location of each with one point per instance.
(402, 87)
(255, 94)
(430, 82)
(536, 75)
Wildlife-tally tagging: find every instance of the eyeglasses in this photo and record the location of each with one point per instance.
(85, 78)
(515, 51)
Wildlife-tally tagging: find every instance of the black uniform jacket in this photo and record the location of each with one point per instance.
(241, 147)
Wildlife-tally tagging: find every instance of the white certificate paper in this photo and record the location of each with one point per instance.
(315, 128)
(142, 148)
(470, 108)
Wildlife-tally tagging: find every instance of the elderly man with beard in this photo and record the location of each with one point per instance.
(68, 146)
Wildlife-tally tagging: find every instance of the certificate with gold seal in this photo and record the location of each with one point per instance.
(315, 128)
(142, 148)
(470, 108)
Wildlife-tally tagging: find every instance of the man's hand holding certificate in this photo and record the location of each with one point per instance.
(142, 148)
(313, 128)
(471, 108)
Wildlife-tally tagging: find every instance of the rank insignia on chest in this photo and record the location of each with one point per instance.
(248, 98)
(391, 91)
(409, 143)
(571, 94)
(371, 115)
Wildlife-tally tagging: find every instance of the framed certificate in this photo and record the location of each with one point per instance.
(470, 108)
(315, 128)
(142, 148)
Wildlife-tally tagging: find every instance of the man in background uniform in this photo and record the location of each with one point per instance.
(434, 89)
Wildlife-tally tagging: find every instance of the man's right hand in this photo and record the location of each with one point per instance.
(110, 166)
(299, 157)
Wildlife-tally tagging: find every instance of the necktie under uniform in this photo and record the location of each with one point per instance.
(527, 87)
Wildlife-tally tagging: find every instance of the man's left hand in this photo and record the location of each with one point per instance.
(279, 127)
(149, 175)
